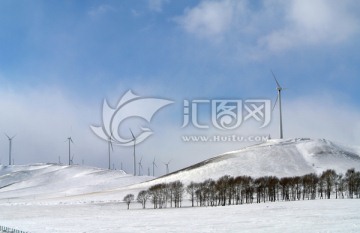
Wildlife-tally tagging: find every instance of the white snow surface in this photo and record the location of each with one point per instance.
(46, 182)
(58, 198)
(51, 183)
(296, 216)
(273, 158)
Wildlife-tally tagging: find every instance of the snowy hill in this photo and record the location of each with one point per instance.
(275, 157)
(45, 181)
(50, 183)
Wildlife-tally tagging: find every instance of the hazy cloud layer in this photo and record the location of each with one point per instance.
(43, 124)
(157, 5)
(100, 10)
(275, 25)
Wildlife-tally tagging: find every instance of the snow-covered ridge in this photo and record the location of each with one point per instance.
(286, 157)
(73, 184)
(43, 181)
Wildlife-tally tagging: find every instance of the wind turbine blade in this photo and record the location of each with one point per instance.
(7, 136)
(132, 134)
(277, 97)
(111, 136)
(111, 146)
(169, 161)
(277, 83)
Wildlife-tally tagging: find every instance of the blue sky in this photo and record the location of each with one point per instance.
(60, 59)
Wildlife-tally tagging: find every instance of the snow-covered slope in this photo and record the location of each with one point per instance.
(44, 181)
(274, 157)
(47, 183)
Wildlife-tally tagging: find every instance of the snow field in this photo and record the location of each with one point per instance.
(297, 216)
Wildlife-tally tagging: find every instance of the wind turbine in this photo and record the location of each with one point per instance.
(154, 165)
(110, 146)
(10, 146)
(134, 139)
(279, 89)
(70, 141)
(167, 166)
(72, 159)
(140, 166)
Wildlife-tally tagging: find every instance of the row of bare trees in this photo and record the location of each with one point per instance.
(163, 194)
(228, 190)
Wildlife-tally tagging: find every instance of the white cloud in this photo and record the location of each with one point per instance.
(312, 22)
(157, 5)
(100, 10)
(43, 118)
(322, 116)
(274, 25)
(209, 18)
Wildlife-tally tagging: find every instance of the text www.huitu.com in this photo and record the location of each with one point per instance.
(223, 138)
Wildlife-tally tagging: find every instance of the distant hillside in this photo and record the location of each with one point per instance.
(274, 157)
(41, 181)
(49, 183)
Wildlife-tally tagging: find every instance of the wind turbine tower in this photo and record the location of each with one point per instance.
(134, 139)
(10, 146)
(110, 147)
(140, 167)
(167, 166)
(154, 165)
(70, 141)
(279, 89)
(72, 159)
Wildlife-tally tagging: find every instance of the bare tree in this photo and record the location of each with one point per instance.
(340, 185)
(191, 189)
(297, 182)
(321, 186)
(177, 191)
(329, 177)
(272, 184)
(222, 186)
(158, 195)
(243, 189)
(350, 176)
(310, 182)
(128, 199)
(142, 197)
